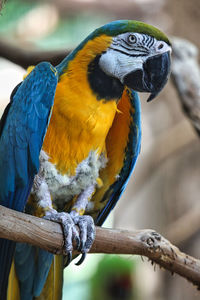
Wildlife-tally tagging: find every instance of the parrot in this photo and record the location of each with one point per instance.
(69, 140)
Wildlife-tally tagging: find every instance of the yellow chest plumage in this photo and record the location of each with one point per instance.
(79, 122)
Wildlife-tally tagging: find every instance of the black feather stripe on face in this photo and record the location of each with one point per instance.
(104, 86)
(128, 53)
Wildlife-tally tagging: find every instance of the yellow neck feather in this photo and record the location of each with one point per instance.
(79, 122)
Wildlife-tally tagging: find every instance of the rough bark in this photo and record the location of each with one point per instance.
(48, 235)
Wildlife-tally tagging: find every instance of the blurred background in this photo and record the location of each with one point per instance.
(164, 189)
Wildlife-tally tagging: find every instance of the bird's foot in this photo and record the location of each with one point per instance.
(87, 234)
(84, 238)
(70, 231)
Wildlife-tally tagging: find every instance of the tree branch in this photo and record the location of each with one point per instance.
(48, 235)
(26, 57)
(186, 78)
(179, 231)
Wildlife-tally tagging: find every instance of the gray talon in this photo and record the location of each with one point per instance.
(69, 230)
(81, 260)
(87, 231)
(78, 243)
(84, 239)
(69, 258)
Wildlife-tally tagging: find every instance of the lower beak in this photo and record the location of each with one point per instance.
(152, 77)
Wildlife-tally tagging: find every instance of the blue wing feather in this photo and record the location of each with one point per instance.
(32, 267)
(22, 130)
(44, 259)
(132, 151)
(25, 268)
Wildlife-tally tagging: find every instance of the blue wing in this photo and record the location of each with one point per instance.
(32, 266)
(22, 130)
(123, 146)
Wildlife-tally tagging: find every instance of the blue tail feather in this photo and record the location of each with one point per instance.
(22, 130)
(7, 249)
(32, 267)
(43, 266)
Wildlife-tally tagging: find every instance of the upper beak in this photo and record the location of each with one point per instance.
(152, 77)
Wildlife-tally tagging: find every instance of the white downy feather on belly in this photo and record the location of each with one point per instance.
(63, 187)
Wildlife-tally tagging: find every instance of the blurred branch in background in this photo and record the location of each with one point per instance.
(179, 231)
(186, 78)
(1, 4)
(48, 235)
(120, 9)
(26, 57)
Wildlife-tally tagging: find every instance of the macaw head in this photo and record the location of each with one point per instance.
(139, 56)
(121, 53)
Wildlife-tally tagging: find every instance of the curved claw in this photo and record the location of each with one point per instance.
(69, 231)
(87, 232)
(83, 239)
(81, 260)
(69, 258)
(81, 246)
(78, 243)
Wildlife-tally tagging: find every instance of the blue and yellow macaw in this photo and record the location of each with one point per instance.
(74, 168)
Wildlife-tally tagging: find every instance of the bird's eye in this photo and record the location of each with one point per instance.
(131, 39)
(160, 46)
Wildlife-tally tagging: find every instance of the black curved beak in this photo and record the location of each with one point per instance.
(153, 77)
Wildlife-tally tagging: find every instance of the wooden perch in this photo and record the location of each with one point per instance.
(48, 235)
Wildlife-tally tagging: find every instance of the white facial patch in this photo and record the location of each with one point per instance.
(118, 64)
(128, 52)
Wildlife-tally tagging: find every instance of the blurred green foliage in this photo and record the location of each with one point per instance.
(68, 31)
(114, 279)
(11, 13)
(72, 30)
